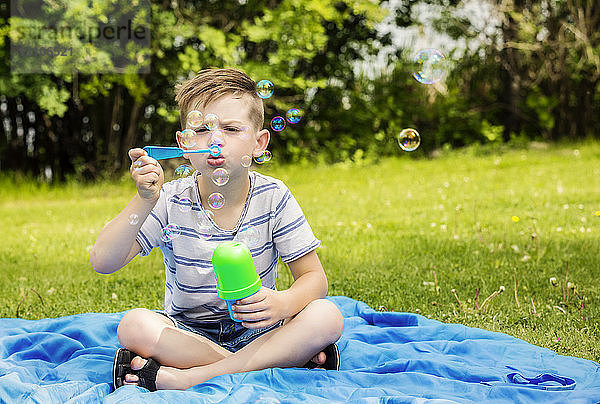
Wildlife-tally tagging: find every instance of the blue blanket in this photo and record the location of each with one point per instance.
(386, 357)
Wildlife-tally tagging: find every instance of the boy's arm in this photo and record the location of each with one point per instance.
(116, 244)
(310, 283)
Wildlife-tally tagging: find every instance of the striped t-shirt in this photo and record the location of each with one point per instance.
(190, 283)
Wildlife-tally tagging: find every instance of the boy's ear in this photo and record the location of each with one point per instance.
(262, 141)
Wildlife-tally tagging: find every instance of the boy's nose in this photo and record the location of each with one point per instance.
(216, 138)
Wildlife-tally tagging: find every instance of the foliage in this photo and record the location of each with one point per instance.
(91, 118)
(527, 68)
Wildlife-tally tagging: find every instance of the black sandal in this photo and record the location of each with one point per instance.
(122, 366)
(332, 362)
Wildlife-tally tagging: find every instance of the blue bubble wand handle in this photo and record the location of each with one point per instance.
(165, 152)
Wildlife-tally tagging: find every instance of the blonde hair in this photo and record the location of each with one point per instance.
(210, 84)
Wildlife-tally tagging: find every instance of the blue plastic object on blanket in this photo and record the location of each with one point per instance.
(386, 357)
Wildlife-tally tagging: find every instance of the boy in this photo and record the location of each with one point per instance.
(194, 339)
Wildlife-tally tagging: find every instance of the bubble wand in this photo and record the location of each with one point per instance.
(165, 152)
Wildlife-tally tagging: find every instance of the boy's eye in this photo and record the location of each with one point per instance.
(201, 131)
(232, 129)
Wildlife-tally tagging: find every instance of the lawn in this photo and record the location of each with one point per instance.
(434, 236)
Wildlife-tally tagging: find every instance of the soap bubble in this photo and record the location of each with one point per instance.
(211, 121)
(184, 171)
(248, 235)
(278, 124)
(293, 115)
(409, 139)
(187, 138)
(246, 161)
(134, 219)
(194, 119)
(264, 89)
(205, 232)
(170, 232)
(263, 158)
(244, 132)
(220, 176)
(206, 217)
(185, 204)
(216, 200)
(430, 66)
(217, 138)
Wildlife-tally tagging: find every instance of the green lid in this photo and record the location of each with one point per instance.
(234, 268)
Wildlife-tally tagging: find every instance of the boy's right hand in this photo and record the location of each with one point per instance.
(147, 174)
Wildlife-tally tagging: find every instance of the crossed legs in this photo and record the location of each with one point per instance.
(189, 359)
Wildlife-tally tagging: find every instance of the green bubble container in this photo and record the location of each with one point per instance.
(235, 272)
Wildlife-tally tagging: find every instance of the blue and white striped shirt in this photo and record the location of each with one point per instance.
(190, 283)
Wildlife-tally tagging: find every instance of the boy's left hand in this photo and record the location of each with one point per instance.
(262, 309)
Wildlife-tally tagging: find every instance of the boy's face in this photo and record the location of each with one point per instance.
(234, 133)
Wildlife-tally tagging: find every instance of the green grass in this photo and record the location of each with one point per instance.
(390, 232)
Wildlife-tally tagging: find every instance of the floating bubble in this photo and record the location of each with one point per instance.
(278, 124)
(216, 200)
(170, 232)
(409, 139)
(194, 119)
(205, 232)
(206, 217)
(184, 171)
(134, 219)
(187, 138)
(263, 158)
(293, 115)
(246, 161)
(220, 176)
(244, 132)
(430, 66)
(185, 204)
(217, 138)
(248, 235)
(211, 121)
(264, 89)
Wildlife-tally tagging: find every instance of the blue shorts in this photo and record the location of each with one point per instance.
(227, 333)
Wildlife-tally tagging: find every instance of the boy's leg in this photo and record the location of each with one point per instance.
(319, 324)
(151, 334)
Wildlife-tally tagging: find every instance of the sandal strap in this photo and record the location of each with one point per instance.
(147, 374)
(122, 366)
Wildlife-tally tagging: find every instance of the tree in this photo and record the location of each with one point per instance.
(86, 119)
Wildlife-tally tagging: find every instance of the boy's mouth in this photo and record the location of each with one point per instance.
(215, 161)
